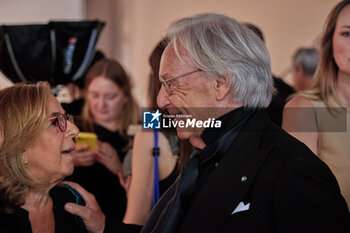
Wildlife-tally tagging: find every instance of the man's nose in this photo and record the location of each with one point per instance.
(162, 98)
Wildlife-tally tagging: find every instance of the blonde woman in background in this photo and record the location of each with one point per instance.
(320, 117)
(108, 111)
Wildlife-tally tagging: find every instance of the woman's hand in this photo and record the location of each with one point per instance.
(91, 213)
(108, 156)
(83, 157)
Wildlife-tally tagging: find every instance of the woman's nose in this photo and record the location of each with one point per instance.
(72, 129)
(101, 102)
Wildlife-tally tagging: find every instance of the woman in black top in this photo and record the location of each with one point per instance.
(36, 144)
(108, 111)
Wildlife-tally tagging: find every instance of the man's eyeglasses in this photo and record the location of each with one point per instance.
(167, 86)
(61, 121)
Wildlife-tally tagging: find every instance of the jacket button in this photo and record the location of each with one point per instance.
(244, 179)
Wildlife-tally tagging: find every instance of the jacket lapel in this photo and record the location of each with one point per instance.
(227, 187)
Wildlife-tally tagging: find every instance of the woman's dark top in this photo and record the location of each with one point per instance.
(175, 149)
(102, 183)
(115, 226)
(168, 181)
(118, 226)
(18, 221)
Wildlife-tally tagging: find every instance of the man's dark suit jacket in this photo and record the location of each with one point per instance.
(289, 189)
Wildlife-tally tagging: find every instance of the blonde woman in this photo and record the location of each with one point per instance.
(320, 116)
(36, 144)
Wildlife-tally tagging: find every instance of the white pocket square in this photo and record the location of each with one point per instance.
(241, 207)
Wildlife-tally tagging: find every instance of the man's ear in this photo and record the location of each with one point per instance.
(222, 87)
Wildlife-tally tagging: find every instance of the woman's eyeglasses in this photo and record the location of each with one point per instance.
(61, 121)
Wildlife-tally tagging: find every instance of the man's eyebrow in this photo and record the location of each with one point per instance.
(345, 26)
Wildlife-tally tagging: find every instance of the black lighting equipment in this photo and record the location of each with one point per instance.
(57, 52)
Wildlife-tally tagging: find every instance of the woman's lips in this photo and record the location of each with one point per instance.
(102, 113)
(68, 152)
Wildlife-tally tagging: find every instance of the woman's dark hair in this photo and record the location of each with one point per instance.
(153, 89)
(154, 61)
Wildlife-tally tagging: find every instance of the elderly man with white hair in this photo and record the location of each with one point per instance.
(249, 175)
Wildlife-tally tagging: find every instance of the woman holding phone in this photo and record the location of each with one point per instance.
(108, 111)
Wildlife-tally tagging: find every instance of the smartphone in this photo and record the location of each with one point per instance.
(87, 138)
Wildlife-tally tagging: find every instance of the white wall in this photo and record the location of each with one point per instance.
(140, 24)
(133, 27)
(40, 11)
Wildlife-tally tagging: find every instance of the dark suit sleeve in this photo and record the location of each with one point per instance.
(116, 226)
(307, 199)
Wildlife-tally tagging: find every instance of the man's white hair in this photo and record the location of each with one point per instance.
(221, 46)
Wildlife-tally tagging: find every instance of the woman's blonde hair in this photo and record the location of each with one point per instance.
(22, 117)
(325, 79)
(112, 70)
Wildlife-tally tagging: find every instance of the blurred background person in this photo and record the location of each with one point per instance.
(142, 192)
(282, 89)
(108, 111)
(320, 117)
(304, 67)
(36, 144)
